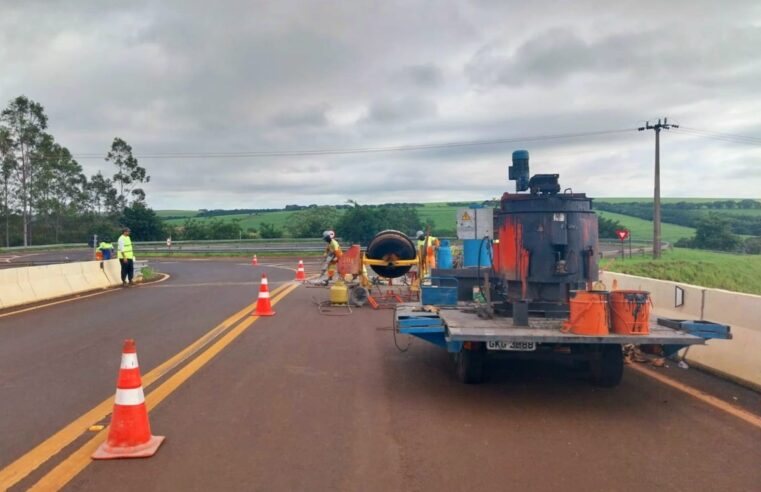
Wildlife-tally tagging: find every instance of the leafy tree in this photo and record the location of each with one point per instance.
(713, 232)
(128, 174)
(361, 222)
(607, 227)
(7, 165)
(752, 245)
(143, 222)
(60, 186)
(311, 222)
(269, 231)
(224, 229)
(102, 195)
(749, 204)
(26, 123)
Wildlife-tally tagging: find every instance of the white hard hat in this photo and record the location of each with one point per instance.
(328, 235)
(420, 234)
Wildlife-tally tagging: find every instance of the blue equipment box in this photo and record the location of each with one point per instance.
(441, 292)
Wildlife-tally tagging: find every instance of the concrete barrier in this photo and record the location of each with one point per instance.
(48, 282)
(26, 285)
(739, 358)
(15, 288)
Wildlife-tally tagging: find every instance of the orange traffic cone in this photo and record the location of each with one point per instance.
(300, 275)
(129, 435)
(254, 261)
(263, 306)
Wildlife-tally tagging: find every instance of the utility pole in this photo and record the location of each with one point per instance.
(657, 192)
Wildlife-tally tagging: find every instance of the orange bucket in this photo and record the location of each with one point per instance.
(98, 255)
(630, 312)
(589, 313)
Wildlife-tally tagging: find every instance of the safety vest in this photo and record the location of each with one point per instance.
(430, 253)
(105, 245)
(125, 249)
(335, 248)
(432, 241)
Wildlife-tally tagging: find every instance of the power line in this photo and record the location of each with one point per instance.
(722, 134)
(723, 137)
(361, 150)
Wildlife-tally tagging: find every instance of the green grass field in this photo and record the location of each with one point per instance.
(643, 229)
(176, 213)
(663, 200)
(739, 273)
(277, 219)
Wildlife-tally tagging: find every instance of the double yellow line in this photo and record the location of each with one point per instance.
(79, 459)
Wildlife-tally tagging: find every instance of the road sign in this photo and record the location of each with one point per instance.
(622, 234)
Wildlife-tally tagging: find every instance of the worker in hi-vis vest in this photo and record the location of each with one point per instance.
(332, 254)
(126, 256)
(105, 248)
(431, 247)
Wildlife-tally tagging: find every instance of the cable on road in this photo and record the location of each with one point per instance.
(325, 308)
(396, 343)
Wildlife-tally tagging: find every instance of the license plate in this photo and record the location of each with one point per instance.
(514, 346)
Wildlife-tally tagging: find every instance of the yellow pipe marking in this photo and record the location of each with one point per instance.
(78, 461)
(27, 463)
(717, 403)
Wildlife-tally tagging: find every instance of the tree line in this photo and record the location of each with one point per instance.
(691, 214)
(47, 198)
(357, 224)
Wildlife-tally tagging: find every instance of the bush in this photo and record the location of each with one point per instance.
(752, 245)
(360, 223)
(311, 222)
(269, 231)
(713, 233)
(607, 227)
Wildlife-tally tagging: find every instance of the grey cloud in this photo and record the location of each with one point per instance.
(427, 76)
(314, 116)
(404, 109)
(188, 76)
(559, 53)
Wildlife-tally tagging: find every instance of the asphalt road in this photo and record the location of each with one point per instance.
(304, 401)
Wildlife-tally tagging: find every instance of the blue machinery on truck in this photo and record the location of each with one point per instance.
(544, 252)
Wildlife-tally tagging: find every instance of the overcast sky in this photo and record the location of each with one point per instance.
(245, 76)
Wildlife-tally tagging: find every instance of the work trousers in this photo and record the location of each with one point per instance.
(128, 270)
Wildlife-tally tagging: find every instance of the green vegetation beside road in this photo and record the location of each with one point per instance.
(299, 221)
(641, 229)
(742, 216)
(739, 273)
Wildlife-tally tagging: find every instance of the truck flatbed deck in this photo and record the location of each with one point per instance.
(471, 339)
(467, 326)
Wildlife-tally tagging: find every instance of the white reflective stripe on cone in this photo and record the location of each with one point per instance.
(264, 295)
(129, 361)
(127, 397)
(264, 281)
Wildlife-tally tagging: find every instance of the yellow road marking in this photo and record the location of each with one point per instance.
(79, 459)
(717, 403)
(27, 463)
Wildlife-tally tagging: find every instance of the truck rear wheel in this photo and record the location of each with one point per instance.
(607, 365)
(470, 364)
